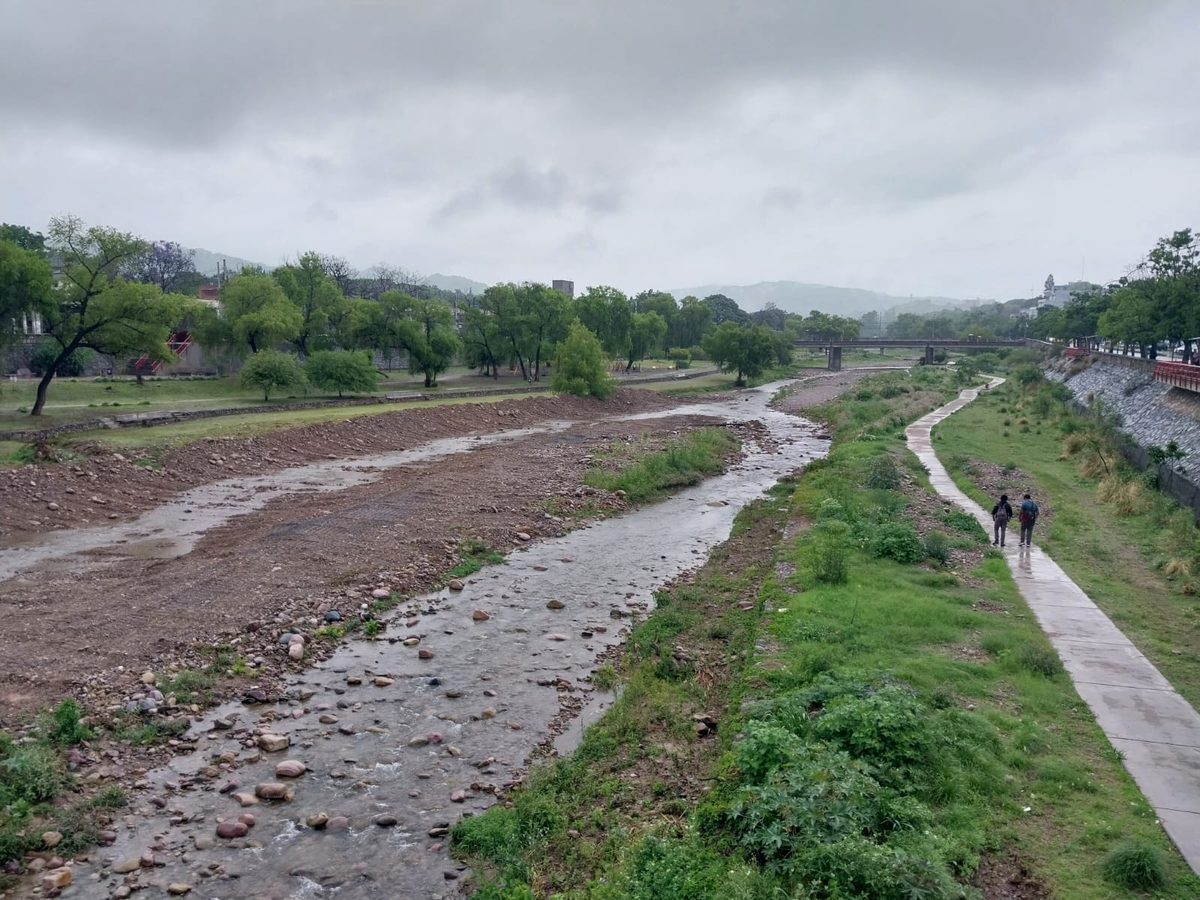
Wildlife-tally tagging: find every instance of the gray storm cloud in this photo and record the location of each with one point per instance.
(936, 147)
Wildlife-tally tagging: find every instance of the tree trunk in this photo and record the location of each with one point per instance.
(429, 382)
(41, 392)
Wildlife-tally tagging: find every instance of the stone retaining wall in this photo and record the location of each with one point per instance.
(1153, 415)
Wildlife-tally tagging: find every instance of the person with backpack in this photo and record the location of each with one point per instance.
(1029, 514)
(1001, 513)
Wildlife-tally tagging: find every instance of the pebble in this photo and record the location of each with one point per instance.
(386, 821)
(273, 743)
(179, 888)
(333, 616)
(296, 651)
(455, 584)
(51, 839)
(481, 615)
(458, 797)
(488, 713)
(555, 636)
(383, 681)
(424, 654)
(232, 829)
(381, 594)
(56, 879)
(272, 790)
(327, 719)
(336, 823)
(290, 768)
(245, 799)
(246, 819)
(523, 536)
(125, 866)
(317, 821)
(555, 604)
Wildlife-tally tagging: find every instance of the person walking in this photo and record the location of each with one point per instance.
(1001, 514)
(1029, 514)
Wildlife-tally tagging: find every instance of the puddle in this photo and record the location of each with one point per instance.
(490, 692)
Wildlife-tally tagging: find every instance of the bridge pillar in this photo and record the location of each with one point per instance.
(929, 356)
(835, 359)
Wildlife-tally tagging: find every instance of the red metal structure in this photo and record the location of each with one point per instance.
(179, 341)
(1178, 374)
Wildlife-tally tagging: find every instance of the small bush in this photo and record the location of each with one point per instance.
(67, 729)
(1135, 865)
(937, 547)
(1121, 497)
(829, 552)
(965, 523)
(579, 367)
(898, 541)
(1040, 660)
(883, 474)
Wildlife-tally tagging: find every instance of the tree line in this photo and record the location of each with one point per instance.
(99, 289)
(1159, 300)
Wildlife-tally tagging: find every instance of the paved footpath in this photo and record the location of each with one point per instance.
(1155, 729)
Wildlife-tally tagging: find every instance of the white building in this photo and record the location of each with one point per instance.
(1062, 293)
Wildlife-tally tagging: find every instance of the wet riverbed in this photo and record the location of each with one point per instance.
(434, 738)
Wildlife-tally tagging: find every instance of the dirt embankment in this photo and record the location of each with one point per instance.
(90, 630)
(107, 486)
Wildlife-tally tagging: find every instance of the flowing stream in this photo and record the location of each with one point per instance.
(438, 736)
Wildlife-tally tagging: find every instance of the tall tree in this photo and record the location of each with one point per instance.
(425, 329)
(745, 349)
(725, 309)
(26, 287)
(343, 274)
(771, 316)
(166, 264)
(1129, 319)
(95, 308)
(24, 237)
(317, 297)
(482, 340)
(645, 336)
(607, 313)
(694, 319)
(256, 314)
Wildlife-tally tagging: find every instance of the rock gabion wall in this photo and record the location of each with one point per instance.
(1154, 413)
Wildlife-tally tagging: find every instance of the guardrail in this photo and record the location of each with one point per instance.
(1177, 374)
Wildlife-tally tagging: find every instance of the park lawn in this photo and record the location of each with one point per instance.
(74, 400)
(957, 703)
(1116, 560)
(249, 424)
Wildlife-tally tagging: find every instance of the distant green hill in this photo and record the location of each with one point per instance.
(207, 262)
(456, 283)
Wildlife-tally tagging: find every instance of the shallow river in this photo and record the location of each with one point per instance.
(484, 701)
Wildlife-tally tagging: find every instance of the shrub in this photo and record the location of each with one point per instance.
(829, 552)
(67, 728)
(937, 547)
(342, 371)
(32, 773)
(681, 356)
(898, 541)
(1135, 865)
(47, 350)
(271, 370)
(1041, 660)
(964, 522)
(883, 473)
(579, 365)
(1122, 497)
(672, 870)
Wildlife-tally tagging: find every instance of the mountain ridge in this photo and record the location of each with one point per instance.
(803, 297)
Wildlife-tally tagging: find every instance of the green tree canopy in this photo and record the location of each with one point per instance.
(424, 328)
(94, 308)
(579, 367)
(645, 336)
(317, 296)
(694, 319)
(745, 349)
(343, 371)
(271, 370)
(606, 312)
(725, 309)
(255, 314)
(26, 286)
(24, 237)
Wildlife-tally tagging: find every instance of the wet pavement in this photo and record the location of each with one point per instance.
(403, 735)
(1155, 729)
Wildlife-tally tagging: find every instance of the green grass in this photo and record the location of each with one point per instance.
(473, 556)
(260, 423)
(1116, 560)
(644, 474)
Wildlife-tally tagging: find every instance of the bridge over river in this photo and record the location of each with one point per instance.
(835, 347)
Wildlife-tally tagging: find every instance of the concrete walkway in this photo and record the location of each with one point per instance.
(1157, 730)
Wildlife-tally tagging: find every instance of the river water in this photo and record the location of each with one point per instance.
(435, 742)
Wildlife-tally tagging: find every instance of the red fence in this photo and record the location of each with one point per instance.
(1178, 374)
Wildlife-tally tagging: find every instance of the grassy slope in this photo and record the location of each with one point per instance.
(640, 810)
(1116, 560)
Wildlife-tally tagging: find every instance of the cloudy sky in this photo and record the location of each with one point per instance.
(953, 147)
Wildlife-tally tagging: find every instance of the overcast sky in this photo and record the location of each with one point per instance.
(948, 147)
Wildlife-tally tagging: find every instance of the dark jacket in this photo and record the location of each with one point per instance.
(1007, 508)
